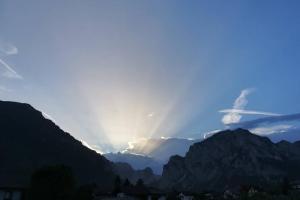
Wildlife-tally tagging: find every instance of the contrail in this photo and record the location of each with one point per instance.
(10, 72)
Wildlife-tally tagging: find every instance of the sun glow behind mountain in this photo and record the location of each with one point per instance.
(127, 106)
(110, 72)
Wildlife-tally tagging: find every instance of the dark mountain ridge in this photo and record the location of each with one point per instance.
(229, 159)
(28, 141)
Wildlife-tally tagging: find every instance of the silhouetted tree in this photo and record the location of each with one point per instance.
(140, 183)
(172, 195)
(127, 183)
(285, 186)
(85, 192)
(52, 183)
(117, 185)
(140, 188)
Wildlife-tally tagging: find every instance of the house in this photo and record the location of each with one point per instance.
(252, 191)
(296, 185)
(161, 198)
(230, 194)
(182, 196)
(12, 193)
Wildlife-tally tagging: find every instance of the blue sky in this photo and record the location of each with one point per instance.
(113, 71)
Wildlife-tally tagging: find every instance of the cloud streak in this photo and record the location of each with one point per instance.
(239, 104)
(248, 112)
(9, 71)
(269, 130)
(7, 49)
(251, 124)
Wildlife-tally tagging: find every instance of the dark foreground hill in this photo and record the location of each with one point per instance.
(28, 141)
(230, 159)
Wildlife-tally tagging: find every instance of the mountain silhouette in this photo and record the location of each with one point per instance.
(28, 141)
(230, 159)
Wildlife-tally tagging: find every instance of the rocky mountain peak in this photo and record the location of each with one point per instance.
(227, 159)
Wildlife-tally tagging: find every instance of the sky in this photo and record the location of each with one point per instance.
(110, 72)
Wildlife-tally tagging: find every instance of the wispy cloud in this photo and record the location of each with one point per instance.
(269, 130)
(239, 104)
(8, 50)
(235, 114)
(9, 71)
(248, 112)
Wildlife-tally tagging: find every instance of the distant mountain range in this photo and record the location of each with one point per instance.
(229, 159)
(138, 162)
(29, 141)
(126, 171)
(290, 136)
(152, 152)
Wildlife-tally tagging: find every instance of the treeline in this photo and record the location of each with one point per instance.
(59, 183)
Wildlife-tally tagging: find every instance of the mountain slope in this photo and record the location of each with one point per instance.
(29, 141)
(230, 159)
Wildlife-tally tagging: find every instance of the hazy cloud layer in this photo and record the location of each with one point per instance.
(265, 121)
